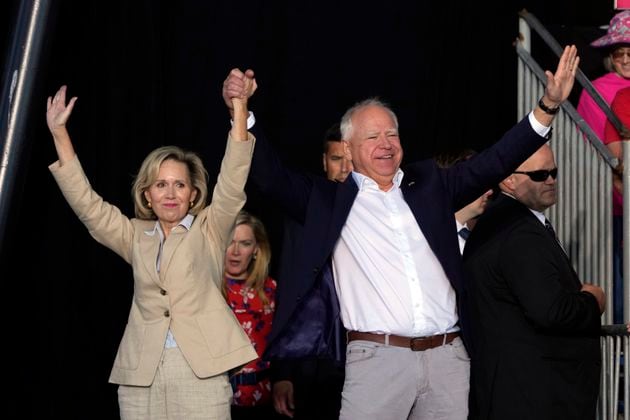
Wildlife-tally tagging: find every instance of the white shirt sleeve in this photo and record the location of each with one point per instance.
(251, 120)
(542, 130)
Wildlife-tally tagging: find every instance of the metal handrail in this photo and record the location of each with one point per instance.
(570, 109)
(617, 330)
(584, 211)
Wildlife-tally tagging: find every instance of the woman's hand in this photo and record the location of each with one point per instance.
(57, 112)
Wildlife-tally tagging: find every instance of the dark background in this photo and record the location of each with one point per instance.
(149, 72)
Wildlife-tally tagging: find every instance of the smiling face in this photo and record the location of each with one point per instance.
(170, 194)
(374, 145)
(535, 195)
(620, 57)
(240, 252)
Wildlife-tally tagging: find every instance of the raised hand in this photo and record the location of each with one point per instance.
(238, 85)
(57, 112)
(560, 83)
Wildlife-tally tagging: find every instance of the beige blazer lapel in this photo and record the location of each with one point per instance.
(149, 248)
(168, 250)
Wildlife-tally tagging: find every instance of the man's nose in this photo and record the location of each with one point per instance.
(385, 143)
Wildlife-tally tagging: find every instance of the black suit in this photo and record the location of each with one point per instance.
(535, 335)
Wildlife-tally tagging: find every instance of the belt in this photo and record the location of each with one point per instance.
(249, 378)
(413, 343)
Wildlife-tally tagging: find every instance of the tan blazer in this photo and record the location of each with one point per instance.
(186, 295)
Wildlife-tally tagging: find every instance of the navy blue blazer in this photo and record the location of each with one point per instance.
(306, 322)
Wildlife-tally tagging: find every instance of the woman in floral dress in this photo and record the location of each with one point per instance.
(250, 292)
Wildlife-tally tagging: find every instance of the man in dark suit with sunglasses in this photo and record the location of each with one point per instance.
(535, 326)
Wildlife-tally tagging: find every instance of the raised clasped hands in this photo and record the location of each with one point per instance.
(238, 87)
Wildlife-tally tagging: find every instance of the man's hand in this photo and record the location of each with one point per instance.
(282, 394)
(560, 83)
(598, 293)
(238, 85)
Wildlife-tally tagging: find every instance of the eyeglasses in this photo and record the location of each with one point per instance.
(618, 54)
(540, 175)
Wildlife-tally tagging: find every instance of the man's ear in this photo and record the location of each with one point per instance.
(324, 163)
(346, 149)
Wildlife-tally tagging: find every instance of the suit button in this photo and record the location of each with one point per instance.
(315, 270)
(162, 292)
(167, 313)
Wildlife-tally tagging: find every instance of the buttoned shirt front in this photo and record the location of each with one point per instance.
(387, 277)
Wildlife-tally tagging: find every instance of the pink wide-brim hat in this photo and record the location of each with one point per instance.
(618, 31)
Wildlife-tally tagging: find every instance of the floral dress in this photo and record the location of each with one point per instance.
(255, 318)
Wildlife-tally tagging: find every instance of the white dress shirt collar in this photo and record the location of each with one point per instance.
(364, 181)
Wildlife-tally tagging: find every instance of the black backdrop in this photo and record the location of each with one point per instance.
(149, 73)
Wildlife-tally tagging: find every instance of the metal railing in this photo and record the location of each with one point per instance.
(614, 402)
(583, 213)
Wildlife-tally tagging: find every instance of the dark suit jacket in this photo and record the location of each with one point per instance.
(535, 335)
(306, 321)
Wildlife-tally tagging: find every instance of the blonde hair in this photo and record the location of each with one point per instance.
(258, 269)
(150, 169)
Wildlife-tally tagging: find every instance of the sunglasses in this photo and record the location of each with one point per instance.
(540, 175)
(618, 54)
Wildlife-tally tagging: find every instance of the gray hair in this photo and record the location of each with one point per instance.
(346, 120)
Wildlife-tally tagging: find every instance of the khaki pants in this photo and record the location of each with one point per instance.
(176, 393)
(396, 383)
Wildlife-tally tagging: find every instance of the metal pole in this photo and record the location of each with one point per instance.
(18, 84)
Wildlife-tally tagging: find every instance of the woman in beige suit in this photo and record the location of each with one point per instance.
(181, 337)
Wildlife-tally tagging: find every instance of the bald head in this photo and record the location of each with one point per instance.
(537, 195)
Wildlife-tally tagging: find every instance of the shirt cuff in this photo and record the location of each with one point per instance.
(251, 120)
(542, 130)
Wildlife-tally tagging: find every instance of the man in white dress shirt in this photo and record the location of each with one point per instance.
(389, 239)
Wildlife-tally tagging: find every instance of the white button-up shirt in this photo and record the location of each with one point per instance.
(387, 277)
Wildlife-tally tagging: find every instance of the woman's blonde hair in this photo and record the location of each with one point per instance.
(150, 169)
(258, 269)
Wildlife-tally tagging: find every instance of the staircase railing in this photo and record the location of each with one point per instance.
(583, 213)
